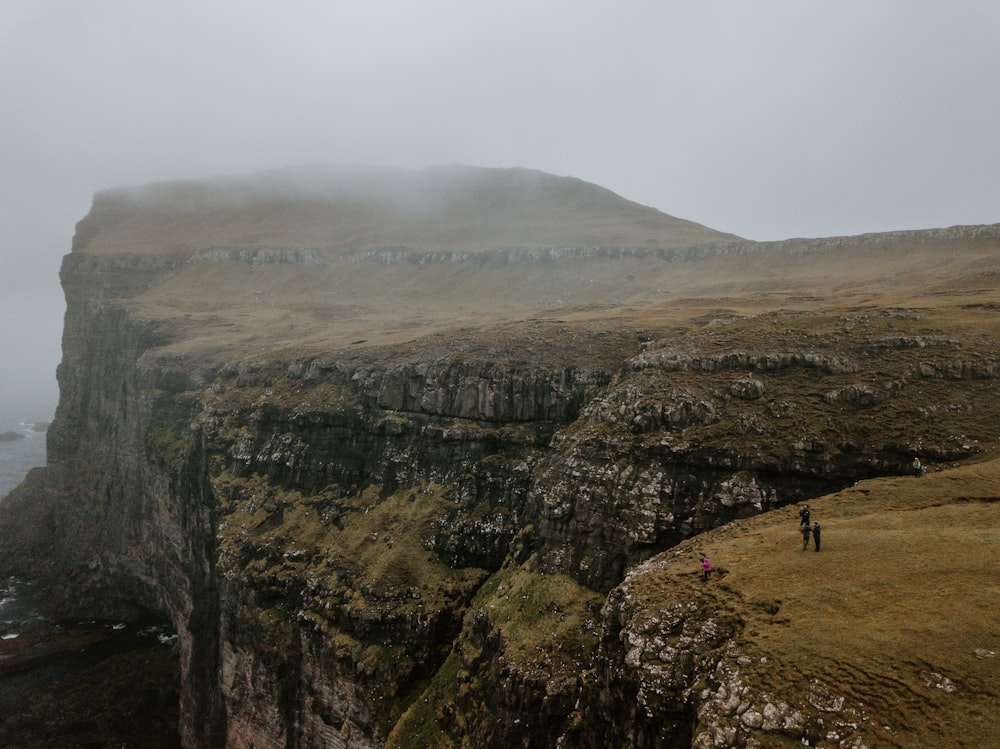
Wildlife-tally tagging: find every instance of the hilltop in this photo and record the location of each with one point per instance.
(348, 211)
(305, 262)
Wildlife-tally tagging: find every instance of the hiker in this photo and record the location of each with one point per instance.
(816, 535)
(804, 516)
(805, 536)
(918, 468)
(706, 568)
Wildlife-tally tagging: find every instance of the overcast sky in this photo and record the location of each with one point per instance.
(769, 119)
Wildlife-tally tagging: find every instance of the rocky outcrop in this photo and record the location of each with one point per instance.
(424, 543)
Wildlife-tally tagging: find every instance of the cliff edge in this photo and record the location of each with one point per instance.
(427, 460)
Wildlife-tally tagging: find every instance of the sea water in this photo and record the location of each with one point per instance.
(19, 602)
(19, 456)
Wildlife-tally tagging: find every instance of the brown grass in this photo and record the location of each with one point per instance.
(906, 586)
(459, 209)
(235, 309)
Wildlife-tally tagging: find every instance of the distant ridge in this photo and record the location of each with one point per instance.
(317, 259)
(358, 209)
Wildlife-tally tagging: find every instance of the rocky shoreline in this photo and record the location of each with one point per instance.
(71, 684)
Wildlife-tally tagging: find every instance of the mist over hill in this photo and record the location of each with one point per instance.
(307, 260)
(360, 209)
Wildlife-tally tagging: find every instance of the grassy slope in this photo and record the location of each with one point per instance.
(464, 209)
(905, 591)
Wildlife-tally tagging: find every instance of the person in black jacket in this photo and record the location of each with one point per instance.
(804, 516)
(816, 535)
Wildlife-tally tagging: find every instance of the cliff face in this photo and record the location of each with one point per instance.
(372, 527)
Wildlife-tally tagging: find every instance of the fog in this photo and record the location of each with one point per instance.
(770, 120)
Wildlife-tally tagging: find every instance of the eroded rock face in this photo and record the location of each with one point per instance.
(339, 537)
(679, 671)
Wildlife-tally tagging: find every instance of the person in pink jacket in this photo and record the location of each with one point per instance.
(706, 567)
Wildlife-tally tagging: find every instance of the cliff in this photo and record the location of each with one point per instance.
(424, 460)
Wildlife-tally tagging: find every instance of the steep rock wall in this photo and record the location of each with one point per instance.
(335, 537)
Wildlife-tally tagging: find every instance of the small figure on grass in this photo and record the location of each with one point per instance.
(805, 536)
(804, 516)
(816, 535)
(706, 568)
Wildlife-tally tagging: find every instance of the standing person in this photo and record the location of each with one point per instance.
(805, 535)
(816, 535)
(804, 516)
(706, 568)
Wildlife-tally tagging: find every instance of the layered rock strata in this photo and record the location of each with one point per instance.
(423, 543)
